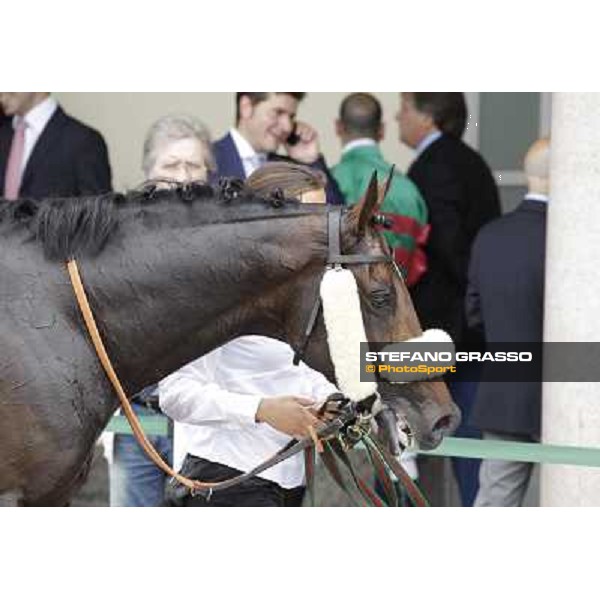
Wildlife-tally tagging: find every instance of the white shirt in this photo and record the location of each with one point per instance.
(251, 160)
(537, 198)
(361, 143)
(36, 119)
(216, 399)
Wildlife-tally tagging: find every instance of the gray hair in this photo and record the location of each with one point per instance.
(172, 128)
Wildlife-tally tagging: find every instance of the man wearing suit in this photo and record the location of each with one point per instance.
(265, 122)
(461, 196)
(506, 299)
(44, 152)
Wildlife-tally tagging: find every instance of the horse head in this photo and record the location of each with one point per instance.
(424, 408)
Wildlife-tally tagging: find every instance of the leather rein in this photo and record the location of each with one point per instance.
(344, 430)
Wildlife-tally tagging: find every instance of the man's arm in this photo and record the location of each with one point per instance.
(191, 396)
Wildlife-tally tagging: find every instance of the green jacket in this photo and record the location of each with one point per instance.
(404, 204)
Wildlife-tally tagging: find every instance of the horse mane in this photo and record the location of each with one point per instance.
(70, 227)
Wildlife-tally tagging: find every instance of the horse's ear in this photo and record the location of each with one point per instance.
(369, 205)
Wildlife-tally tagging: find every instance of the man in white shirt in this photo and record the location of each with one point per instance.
(265, 123)
(44, 152)
(238, 407)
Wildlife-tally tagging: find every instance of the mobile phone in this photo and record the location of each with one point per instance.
(293, 138)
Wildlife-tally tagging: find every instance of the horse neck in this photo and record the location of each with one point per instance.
(183, 292)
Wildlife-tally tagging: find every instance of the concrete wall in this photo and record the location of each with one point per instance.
(123, 119)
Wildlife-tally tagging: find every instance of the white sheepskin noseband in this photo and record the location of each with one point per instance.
(433, 336)
(346, 331)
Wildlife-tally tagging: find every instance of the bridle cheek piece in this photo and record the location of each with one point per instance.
(337, 260)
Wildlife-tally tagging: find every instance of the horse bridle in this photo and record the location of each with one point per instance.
(335, 260)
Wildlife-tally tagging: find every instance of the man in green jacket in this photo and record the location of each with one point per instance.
(360, 129)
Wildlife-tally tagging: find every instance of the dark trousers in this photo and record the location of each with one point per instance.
(255, 492)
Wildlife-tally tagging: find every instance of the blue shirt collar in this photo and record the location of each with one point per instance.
(433, 137)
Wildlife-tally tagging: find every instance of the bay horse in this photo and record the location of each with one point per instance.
(171, 275)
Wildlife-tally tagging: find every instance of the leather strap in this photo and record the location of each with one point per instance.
(106, 363)
(329, 460)
(335, 255)
(310, 459)
(334, 226)
(397, 469)
(369, 496)
(312, 321)
(335, 259)
(381, 472)
(196, 487)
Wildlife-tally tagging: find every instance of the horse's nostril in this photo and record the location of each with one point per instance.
(443, 424)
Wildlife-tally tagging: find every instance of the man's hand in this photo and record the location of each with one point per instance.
(288, 414)
(307, 150)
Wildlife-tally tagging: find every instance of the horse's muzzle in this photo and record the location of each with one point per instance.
(428, 410)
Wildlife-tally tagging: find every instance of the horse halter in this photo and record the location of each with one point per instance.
(335, 260)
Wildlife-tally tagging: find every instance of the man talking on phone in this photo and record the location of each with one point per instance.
(265, 123)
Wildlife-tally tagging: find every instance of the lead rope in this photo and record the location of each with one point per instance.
(106, 363)
(194, 486)
(411, 488)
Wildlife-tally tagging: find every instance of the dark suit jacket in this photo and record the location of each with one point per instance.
(506, 298)
(461, 195)
(69, 159)
(229, 164)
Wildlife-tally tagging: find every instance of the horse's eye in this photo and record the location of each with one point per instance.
(381, 298)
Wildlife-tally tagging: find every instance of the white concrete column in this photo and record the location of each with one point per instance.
(571, 414)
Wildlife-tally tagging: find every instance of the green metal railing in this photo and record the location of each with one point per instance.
(451, 447)
(152, 425)
(514, 451)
